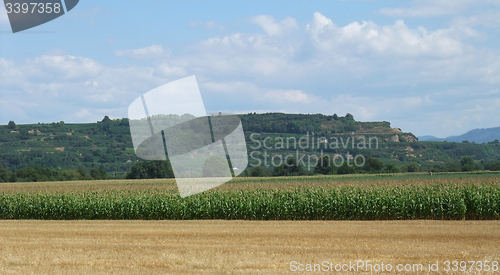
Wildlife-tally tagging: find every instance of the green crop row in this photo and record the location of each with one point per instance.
(448, 202)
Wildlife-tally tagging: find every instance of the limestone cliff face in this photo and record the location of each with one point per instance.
(395, 138)
(408, 137)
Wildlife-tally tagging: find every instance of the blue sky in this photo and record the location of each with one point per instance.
(428, 67)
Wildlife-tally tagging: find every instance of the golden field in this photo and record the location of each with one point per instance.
(237, 247)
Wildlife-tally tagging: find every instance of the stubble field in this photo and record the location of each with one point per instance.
(241, 247)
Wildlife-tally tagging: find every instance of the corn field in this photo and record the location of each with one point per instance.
(441, 202)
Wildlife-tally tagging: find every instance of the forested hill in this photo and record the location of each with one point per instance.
(107, 144)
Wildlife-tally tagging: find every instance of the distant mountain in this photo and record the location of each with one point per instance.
(476, 135)
(429, 138)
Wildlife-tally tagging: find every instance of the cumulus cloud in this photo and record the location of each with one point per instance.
(248, 54)
(355, 50)
(368, 37)
(328, 54)
(488, 19)
(24, 75)
(150, 52)
(271, 27)
(66, 66)
(66, 83)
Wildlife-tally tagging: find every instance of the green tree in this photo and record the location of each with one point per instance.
(4, 174)
(413, 167)
(289, 168)
(346, 169)
(68, 175)
(106, 119)
(391, 168)
(324, 166)
(12, 125)
(36, 174)
(258, 172)
(467, 164)
(151, 170)
(373, 165)
(82, 174)
(98, 174)
(495, 166)
(453, 166)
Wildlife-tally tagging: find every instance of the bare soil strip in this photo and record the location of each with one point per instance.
(239, 247)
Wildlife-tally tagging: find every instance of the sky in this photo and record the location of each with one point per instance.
(430, 67)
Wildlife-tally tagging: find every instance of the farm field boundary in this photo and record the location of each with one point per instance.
(446, 198)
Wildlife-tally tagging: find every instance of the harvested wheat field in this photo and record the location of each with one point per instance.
(247, 247)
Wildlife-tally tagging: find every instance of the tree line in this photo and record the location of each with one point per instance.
(372, 166)
(38, 174)
(163, 169)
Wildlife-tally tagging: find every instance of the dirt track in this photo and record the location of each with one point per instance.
(236, 247)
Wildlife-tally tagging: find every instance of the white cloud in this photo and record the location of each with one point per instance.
(265, 66)
(271, 27)
(289, 96)
(45, 74)
(488, 19)
(82, 113)
(170, 70)
(229, 87)
(67, 66)
(210, 25)
(58, 85)
(213, 25)
(460, 117)
(368, 37)
(93, 83)
(354, 51)
(258, 94)
(253, 54)
(150, 52)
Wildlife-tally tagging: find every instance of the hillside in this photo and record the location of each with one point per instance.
(107, 144)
